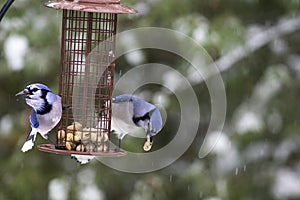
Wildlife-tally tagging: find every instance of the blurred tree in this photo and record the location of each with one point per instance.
(254, 43)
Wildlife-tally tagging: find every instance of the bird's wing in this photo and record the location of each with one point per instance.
(29, 143)
(155, 121)
(122, 98)
(33, 119)
(141, 107)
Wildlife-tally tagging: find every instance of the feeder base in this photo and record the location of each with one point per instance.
(50, 148)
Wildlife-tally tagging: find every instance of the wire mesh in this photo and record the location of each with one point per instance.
(86, 80)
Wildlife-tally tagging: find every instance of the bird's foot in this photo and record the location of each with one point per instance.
(51, 141)
(118, 149)
(65, 107)
(60, 147)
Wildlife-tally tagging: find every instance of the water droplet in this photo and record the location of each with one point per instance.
(262, 152)
(111, 53)
(171, 178)
(236, 171)
(201, 195)
(245, 167)
(188, 187)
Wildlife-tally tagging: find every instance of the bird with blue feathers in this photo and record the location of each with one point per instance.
(130, 113)
(45, 114)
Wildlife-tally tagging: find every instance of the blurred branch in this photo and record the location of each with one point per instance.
(262, 38)
(284, 27)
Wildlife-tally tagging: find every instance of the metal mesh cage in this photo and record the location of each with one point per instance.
(86, 81)
(86, 78)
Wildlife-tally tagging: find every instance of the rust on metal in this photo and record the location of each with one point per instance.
(99, 1)
(50, 148)
(86, 79)
(86, 76)
(95, 6)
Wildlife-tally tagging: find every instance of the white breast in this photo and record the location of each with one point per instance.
(48, 121)
(122, 123)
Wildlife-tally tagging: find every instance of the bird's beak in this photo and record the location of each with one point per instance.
(24, 92)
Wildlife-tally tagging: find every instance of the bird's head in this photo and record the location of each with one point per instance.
(35, 94)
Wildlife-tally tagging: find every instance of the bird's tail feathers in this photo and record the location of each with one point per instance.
(29, 143)
(82, 159)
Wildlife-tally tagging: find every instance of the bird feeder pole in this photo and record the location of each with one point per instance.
(86, 75)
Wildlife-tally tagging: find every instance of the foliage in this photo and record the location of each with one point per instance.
(258, 153)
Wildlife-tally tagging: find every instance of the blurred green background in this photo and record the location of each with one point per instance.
(258, 153)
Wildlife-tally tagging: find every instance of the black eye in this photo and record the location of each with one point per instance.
(34, 89)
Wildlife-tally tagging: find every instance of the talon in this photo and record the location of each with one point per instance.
(65, 107)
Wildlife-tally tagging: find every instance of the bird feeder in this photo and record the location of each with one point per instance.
(86, 76)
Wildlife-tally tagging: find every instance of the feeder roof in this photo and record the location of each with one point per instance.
(97, 6)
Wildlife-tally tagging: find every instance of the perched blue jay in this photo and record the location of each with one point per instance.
(45, 114)
(130, 113)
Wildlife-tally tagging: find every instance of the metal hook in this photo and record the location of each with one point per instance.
(5, 8)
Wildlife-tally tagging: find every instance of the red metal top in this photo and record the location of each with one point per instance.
(98, 6)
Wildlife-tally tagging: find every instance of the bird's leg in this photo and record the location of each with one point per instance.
(119, 145)
(151, 139)
(149, 135)
(51, 141)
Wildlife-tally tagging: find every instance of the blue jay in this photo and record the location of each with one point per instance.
(45, 114)
(130, 113)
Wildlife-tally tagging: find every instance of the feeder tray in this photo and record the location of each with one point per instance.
(86, 76)
(50, 148)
